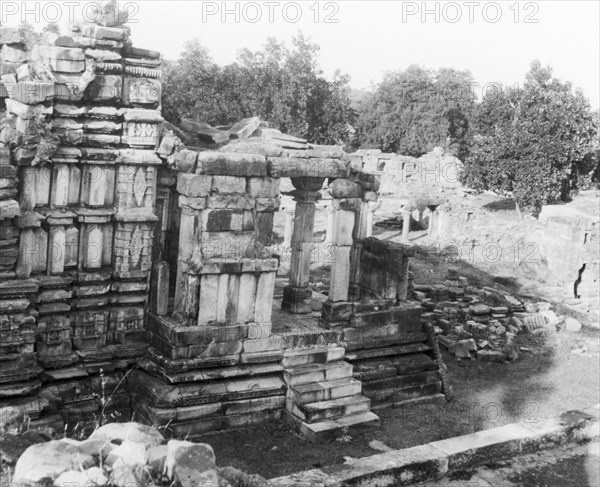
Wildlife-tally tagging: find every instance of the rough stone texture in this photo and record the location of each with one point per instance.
(190, 464)
(49, 460)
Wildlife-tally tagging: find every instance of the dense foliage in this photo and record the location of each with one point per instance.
(282, 85)
(533, 143)
(415, 110)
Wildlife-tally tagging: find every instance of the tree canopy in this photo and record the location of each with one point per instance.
(282, 85)
(533, 143)
(415, 110)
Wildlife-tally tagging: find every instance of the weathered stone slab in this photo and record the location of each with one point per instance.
(281, 167)
(228, 184)
(232, 164)
(244, 128)
(105, 33)
(185, 161)
(194, 185)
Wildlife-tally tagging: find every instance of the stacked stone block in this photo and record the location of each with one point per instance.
(83, 124)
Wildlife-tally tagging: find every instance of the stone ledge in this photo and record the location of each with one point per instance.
(433, 460)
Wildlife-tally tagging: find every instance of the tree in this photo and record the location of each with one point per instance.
(415, 110)
(51, 27)
(281, 85)
(532, 143)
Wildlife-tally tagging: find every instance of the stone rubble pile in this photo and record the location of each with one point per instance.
(126, 454)
(480, 323)
(79, 134)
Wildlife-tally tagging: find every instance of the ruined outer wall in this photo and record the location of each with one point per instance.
(413, 182)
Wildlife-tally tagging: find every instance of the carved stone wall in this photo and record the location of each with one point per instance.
(79, 171)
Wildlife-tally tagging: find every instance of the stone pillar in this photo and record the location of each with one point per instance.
(406, 216)
(432, 229)
(340, 268)
(329, 232)
(289, 225)
(297, 295)
(373, 207)
(359, 233)
(442, 219)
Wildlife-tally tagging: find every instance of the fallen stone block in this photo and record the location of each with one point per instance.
(244, 128)
(572, 325)
(49, 460)
(190, 464)
(185, 161)
(491, 356)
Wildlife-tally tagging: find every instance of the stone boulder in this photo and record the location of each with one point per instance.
(156, 458)
(463, 348)
(191, 464)
(572, 325)
(237, 478)
(49, 460)
(130, 476)
(127, 453)
(134, 432)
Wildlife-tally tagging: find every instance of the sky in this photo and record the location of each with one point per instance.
(496, 41)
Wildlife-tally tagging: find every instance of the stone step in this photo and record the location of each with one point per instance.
(354, 425)
(316, 355)
(388, 397)
(191, 430)
(401, 381)
(330, 410)
(388, 351)
(317, 372)
(380, 368)
(324, 390)
(389, 341)
(430, 399)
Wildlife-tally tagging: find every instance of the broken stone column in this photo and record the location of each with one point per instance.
(297, 295)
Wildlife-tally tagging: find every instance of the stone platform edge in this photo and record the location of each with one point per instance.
(436, 459)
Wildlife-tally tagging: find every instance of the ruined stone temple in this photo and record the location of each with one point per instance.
(138, 275)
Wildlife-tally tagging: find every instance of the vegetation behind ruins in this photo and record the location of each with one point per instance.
(536, 142)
